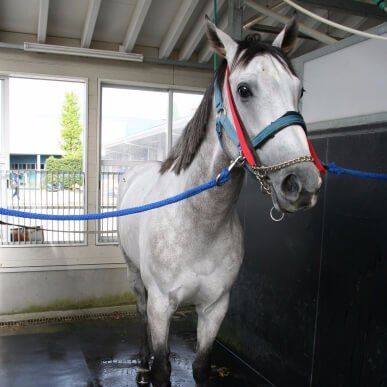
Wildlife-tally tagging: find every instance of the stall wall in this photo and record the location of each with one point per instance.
(52, 273)
(308, 308)
(345, 83)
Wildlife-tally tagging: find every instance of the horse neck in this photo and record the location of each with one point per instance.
(219, 202)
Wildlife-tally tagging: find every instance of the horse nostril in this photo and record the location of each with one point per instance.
(291, 186)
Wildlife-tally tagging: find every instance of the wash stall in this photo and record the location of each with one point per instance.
(90, 88)
(308, 308)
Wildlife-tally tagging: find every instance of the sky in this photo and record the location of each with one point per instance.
(35, 113)
(127, 112)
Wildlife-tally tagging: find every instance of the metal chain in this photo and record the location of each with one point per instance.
(261, 172)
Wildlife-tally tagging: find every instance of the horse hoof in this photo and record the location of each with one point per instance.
(143, 377)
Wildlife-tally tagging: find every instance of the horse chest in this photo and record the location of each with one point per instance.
(198, 264)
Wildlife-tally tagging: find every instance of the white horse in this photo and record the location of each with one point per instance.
(191, 252)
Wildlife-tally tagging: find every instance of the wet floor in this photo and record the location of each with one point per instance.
(102, 353)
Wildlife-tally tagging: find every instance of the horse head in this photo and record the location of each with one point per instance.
(263, 87)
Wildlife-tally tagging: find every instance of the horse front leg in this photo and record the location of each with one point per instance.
(143, 372)
(137, 285)
(159, 316)
(210, 318)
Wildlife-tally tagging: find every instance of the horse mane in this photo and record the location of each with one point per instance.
(188, 144)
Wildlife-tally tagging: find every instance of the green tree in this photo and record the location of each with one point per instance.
(71, 127)
(66, 172)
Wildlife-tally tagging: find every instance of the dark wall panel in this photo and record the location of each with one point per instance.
(312, 289)
(351, 345)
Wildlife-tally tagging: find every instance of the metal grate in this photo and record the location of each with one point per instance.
(42, 192)
(109, 180)
(64, 319)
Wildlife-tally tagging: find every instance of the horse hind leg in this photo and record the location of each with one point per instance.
(143, 372)
(210, 318)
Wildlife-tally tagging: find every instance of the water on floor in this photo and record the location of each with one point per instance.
(102, 353)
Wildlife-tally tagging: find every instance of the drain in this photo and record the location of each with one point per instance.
(64, 319)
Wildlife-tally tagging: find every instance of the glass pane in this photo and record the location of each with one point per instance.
(36, 108)
(46, 153)
(134, 125)
(184, 107)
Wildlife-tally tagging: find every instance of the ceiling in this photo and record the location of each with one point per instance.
(170, 31)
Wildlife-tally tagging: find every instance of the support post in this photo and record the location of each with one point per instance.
(235, 18)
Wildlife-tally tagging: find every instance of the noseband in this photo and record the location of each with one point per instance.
(245, 145)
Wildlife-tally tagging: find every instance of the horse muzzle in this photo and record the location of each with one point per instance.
(295, 188)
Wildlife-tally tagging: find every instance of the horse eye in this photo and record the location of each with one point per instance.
(244, 91)
(302, 92)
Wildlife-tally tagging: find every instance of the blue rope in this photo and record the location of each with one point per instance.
(223, 178)
(335, 170)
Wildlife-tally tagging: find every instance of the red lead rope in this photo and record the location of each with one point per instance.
(246, 151)
(317, 161)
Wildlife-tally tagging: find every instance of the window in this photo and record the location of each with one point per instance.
(184, 107)
(45, 159)
(136, 125)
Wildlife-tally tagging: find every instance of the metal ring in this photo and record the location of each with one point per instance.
(276, 219)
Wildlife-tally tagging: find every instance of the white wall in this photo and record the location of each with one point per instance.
(347, 80)
(45, 274)
(21, 290)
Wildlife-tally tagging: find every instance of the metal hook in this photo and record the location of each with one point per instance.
(238, 162)
(276, 219)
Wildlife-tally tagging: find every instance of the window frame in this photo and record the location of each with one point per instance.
(6, 76)
(158, 87)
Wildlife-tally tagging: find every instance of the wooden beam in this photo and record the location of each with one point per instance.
(135, 25)
(197, 32)
(179, 22)
(311, 23)
(254, 20)
(324, 38)
(276, 30)
(348, 6)
(351, 20)
(91, 19)
(43, 19)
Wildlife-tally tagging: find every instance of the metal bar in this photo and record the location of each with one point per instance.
(43, 192)
(235, 19)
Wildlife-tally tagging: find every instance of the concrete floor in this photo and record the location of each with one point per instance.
(102, 353)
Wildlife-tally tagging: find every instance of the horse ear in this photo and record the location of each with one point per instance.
(286, 39)
(220, 42)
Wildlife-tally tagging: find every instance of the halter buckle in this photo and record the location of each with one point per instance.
(220, 112)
